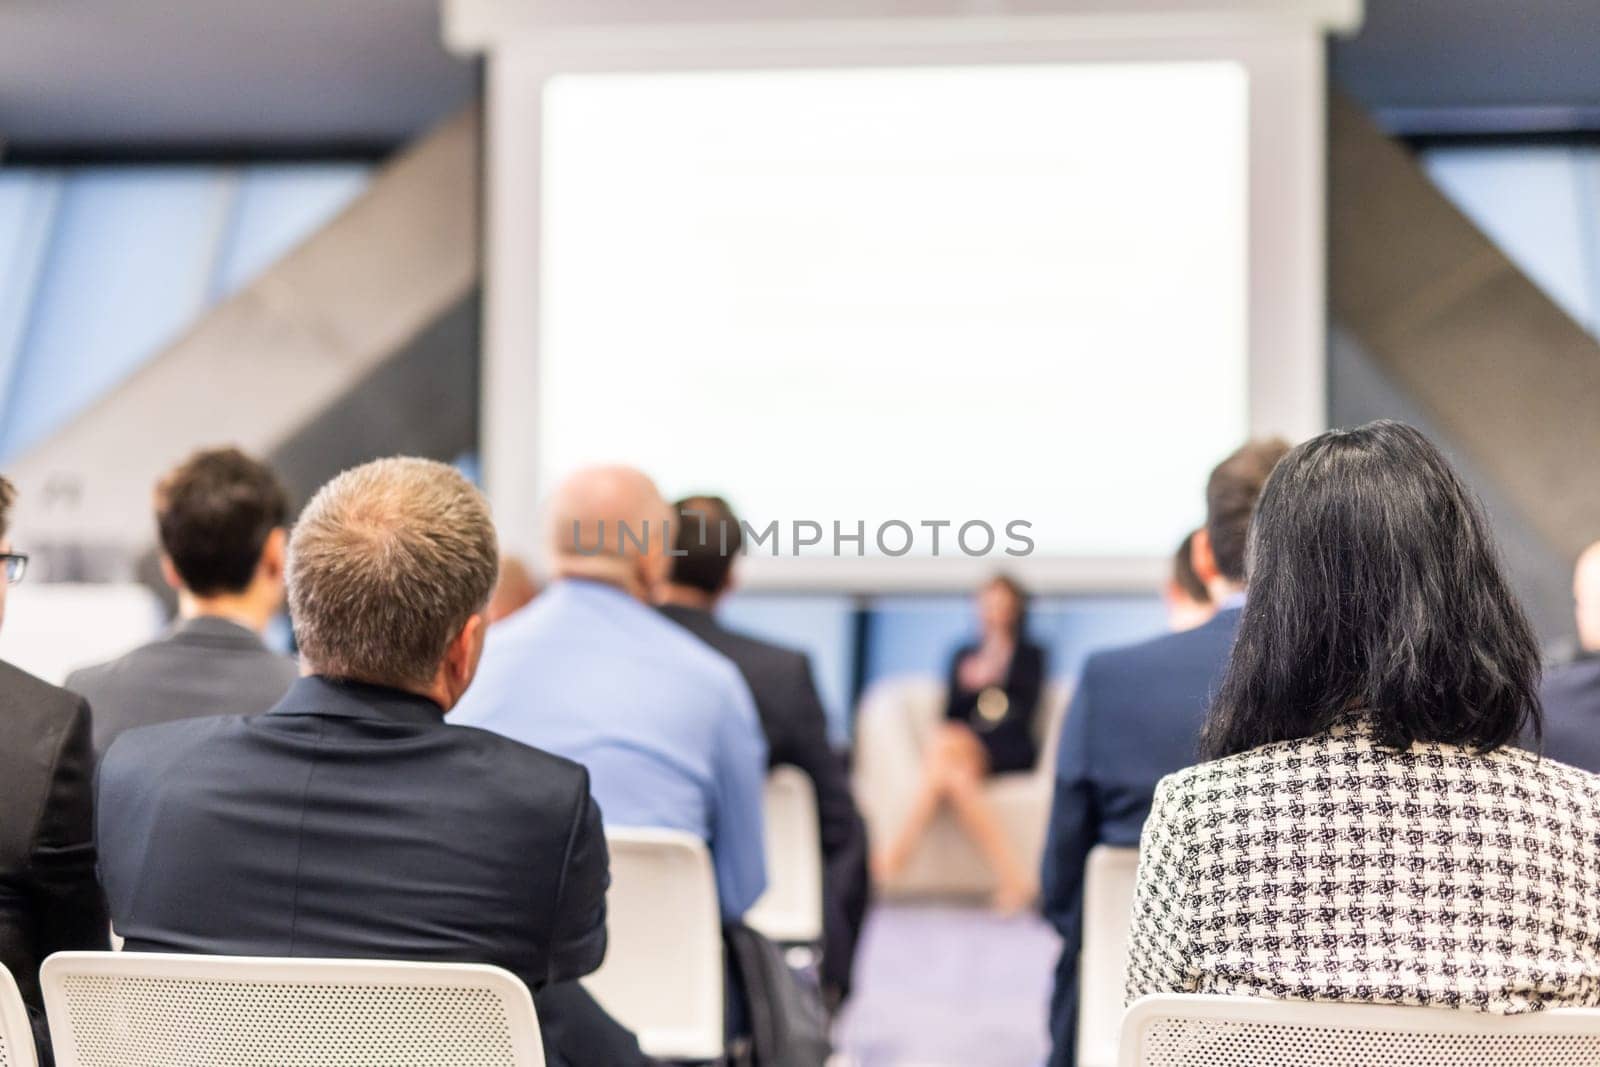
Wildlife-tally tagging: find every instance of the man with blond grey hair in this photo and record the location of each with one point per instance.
(351, 820)
(666, 726)
(1571, 693)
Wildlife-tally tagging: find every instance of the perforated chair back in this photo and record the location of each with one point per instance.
(790, 911)
(16, 1033)
(134, 1009)
(1108, 882)
(1213, 1031)
(663, 973)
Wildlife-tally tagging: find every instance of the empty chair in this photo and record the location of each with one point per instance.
(130, 1009)
(663, 976)
(1103, 962)
(16, 1033)
(1216, 1031)
(790, 911)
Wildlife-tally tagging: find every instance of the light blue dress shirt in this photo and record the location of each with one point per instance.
(665, 725)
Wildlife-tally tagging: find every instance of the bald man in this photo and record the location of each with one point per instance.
(666, 726)
(1572, 690)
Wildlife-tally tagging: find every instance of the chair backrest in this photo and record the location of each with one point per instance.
(663, 975)
(1215, 1031)
(790, 911)
(16, 1033)
(134, 1009)
(1103, 962)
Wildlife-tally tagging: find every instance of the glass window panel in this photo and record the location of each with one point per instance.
(27, 205)
(130, 257)
(279, 206)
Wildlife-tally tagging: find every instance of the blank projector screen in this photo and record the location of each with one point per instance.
(869, 296)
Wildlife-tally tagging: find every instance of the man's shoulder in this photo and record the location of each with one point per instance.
(1175, 655)
(1573, 686)
(22, 694)
(507, 754)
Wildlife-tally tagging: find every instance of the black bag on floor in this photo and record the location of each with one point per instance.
(788, 1026)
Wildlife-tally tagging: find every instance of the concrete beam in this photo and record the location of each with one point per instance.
(1450, 319)
(259, 367)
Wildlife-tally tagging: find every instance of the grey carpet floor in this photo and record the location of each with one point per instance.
(945, 986)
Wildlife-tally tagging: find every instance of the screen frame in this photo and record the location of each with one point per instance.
(1286, 329)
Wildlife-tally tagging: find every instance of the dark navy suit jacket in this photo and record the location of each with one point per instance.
(1571, 697)
(352, 821)
(1135, 718)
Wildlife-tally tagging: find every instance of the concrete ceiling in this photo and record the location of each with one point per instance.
(208, 73)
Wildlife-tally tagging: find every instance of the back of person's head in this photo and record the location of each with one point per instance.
(609, 524)
(1376, 591)
(1231, 493)
(1586, 595)
(1184, 577)
(215, 513)
(388, 565)
(706, 539)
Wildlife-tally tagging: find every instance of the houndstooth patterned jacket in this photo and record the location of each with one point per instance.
(1330, 868)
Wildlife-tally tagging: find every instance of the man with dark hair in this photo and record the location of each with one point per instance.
(708, 537)
(1136, 717)
(1188, 601)
(49, 899)
(222, 519)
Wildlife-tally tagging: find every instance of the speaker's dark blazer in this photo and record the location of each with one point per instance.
(1009, 741)
(352, 821)
(49, 900)
(797, 734)
(1135, 718)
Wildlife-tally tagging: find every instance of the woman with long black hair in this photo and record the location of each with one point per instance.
(1366, 828)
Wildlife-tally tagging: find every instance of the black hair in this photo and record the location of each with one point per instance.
(708, 537)
(1022, 597)
(214, 513)
(1376, 591)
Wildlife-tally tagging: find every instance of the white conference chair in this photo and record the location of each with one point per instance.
(663, 974)
(134, 1009)
(790, 911)
(16, 1033)
(1217, 1031)
(1108, 882)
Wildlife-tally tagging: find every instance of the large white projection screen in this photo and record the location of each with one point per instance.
(993, 293)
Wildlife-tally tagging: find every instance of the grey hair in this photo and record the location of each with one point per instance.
(386, 565)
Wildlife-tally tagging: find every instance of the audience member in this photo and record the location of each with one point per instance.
(994, 691)
(514, 590)
(221, 517)
(1136, 717)
(707, 538)
(49, 900)
(1188, 603)
(351, 820)
(1571, 693)
(665, 725)
(1364, 782)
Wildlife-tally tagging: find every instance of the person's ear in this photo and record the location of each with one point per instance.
(462, 655)
(1202, 558)
(169, 573)
(274, 554)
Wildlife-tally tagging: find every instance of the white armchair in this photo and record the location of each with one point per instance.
(898, 717)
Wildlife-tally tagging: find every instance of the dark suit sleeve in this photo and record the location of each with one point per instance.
(808, 749)
(578, 934)
(1074, 828)
(61, 875)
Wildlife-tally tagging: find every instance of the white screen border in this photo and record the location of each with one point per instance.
(1285, 62)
